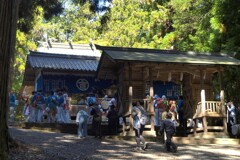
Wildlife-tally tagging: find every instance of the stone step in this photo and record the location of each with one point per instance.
(184, 140)
(210, 135)
(209, 138)
(202, 141)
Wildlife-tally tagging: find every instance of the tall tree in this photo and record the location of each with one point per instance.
(228, 22)
(8, 26)
(134, 23)
(8, 21)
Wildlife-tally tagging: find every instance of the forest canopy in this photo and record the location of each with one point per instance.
(199, 25)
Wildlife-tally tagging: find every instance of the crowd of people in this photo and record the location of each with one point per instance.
(93, 114)
(168, 114)
(55, 107)
(163, 106)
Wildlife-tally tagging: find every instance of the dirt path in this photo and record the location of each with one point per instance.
(66, 146)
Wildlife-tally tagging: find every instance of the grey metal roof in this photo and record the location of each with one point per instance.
(60, 61)
(167, 56)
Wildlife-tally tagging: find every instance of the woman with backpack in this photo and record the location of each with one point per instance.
(139, 124)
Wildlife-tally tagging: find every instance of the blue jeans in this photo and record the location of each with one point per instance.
(82, 126)
(158, 116)
(169, 144)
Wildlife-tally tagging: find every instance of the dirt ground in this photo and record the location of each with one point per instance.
(39, 145)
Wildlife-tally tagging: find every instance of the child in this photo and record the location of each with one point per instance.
(81, 120)
(138, 126)
(170, 129)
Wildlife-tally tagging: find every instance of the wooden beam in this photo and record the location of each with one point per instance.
(130, 94)
(222, 97)
(151, 94)
(203, 100)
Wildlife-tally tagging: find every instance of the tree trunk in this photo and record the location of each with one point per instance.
(8, 19)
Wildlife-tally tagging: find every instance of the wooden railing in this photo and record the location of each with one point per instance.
(213, 107)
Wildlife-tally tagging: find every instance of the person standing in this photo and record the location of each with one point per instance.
(231, 113)
(12, 99)
(138, 127)
(170, 129)
(32, 107)
(51, 107)
(161, 113)
(113, 121)
(60, 112)
(81, 120)
(39, 101)
(180, 111)
(66, 106)
(156, 110)
(172, 110)
(26, 110)
(97, 120)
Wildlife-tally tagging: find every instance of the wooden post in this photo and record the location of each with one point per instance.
(144, 86)
(130, 95)
(120, 91)
(222, 102)
(151, 95)
(151, 83)
(203, 101)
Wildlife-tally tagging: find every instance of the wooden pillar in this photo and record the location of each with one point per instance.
(203, 102)
(151, 95)
(121, 106)
(130, 94)
(143, 86)
(120, 90)
(151, 83)
(222, 102)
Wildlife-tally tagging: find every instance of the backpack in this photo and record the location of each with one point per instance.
(144, 119)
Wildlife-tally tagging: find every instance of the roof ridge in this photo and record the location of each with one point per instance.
(35, 53)
(160, 51)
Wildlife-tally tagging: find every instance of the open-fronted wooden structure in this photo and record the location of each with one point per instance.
(135, 69)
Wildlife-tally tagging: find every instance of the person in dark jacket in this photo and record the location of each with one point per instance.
(180, 110)
(112, 120)
(170, 129)
(97, 119)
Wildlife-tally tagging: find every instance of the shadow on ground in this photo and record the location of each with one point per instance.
(66, 146)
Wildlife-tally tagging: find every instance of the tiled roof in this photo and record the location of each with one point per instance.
(167, 56)
(64, 62)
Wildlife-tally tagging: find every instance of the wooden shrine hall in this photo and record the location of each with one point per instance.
(135, 71)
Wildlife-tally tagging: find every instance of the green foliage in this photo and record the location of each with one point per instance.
(30, 30)
(23, 45)
(231, 84)
(197, 25)
(134, 23)
(95, 5)
(27, 12)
